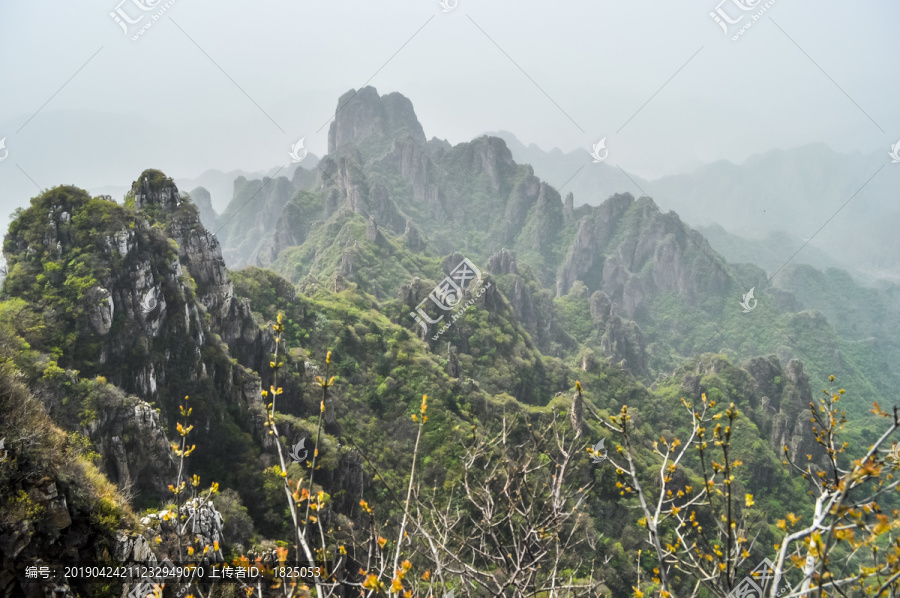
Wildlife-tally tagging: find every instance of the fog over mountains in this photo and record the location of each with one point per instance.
(594, 74)
(771, 204)
(762, 211)
(483, 299)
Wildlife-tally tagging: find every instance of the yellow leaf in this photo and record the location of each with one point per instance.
(372, 583)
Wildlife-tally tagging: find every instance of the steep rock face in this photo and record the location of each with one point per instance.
(151, 190)
(772, 397)
(569, 207)
(152, 317)
(54, 506)
(380, 165)
(584, 261)
(490, 157)
(251, 215)
(629, 249)
(133, 445)
(355, 191)
(479, 195)
(503, 262)
(409, 158)
(776, 398)
(548, 222)
(532, 305)
(200, 252)
(135, 293)
(362, 115)
(203, 200)
(620, 339)
(376, 142)
(291, 230)
(785, 396)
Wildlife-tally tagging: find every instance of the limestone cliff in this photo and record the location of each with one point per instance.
(141, 295)
(363, 115)
(775, 397)
(201, 198)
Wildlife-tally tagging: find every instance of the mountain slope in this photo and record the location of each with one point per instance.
(791, 192)
(115, 312)
(387, 205)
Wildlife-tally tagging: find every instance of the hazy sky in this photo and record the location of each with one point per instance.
(232, 85)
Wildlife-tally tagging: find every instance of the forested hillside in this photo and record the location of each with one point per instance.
(428, 372)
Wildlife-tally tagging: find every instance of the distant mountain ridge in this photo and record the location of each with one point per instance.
(795, 191)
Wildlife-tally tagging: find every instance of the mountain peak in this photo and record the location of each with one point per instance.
(153, 187)
(364, 115)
